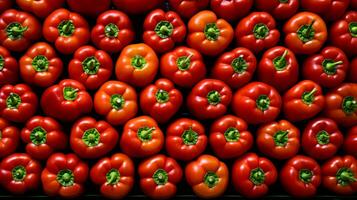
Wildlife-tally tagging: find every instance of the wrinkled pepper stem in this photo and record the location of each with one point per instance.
(308, 97)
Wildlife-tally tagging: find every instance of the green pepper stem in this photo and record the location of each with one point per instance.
(162, 96)
(280, 61)
(160, 177)
(113, 176)
(323, 137)
(13, 101)
(349, 105)
(353, 29)
(145, 133)
(18, 173)
(189, 137)
(183, 63)
(70, 93)
(211, 179)
(308, 97)
(305, 175)
(345, 176)
(281, 138)
(111, 30)
(214, 97)
(257, 176)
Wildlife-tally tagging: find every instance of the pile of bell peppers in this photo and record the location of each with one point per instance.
(211, 94)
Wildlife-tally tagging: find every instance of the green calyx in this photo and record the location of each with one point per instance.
(162, 96)
(111, 30)
(239, 65)
(349, 105)
(352, 27)
(281, 138)
(145, 133)
(164, 29)
(189, 137)
(308, 97)
(211, 31)
(345, 176)
(280, 62)
(91, 137)
(65, 177)
(15, 30)
(257, 176)
(232, 134)
(211, 179)
(263, 102)
(183, 62)
(330, 66)
(306, 32)
(40, 63)
(69, 93)
(260, 31)
(160, 177)
(113, 177)
(18, 173)
(214, 97)
(138, 62)
(117, 101)
(305, 175)
(13, 101)
(66, 28)
(323, 137)
(90, 65)
(2, 63)
(38, 136)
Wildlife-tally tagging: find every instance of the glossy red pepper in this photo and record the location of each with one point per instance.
(113, 31)
(353, 71)
(40, 8)
(9, 68)
(161, 97)
(159, 176)
(91, 67)
(279, 68)
(43, 136)
(188, 8)
(301, 176)
(339, 175)
(185, 139)
(90, 8)
(19, 173)
(328, 9)
(252, 175)
(136, 6)
(350, 142)
(9, 138)
(64, 176)
(6, 4)
(209, 99)
(66, 101)
(235, 67)
(256, 103)
(303, 101)
(17, 102)
(18, 30)
(279, 9)
(229, 137)
(257, 32)
(228, 9)
(184, 66)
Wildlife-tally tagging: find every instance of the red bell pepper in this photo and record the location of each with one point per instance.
(113, 31)
(66, 101)
(91, 138)
(256, 103)
(114, 175)
(18, 30)
(66, 29)
(303, 101)
(208, 34)
(90, 8)
(235, 68)
(188, 8)
(43, 136)
(19, 173)
(159, 98)
(301, 176)
(64, 176)
(257, 32)
(141, 137)
(279, 9)
(9, 138)
(229, 137)
(339, 175)
(6, 4)
(40, 8)
(40, 65)
(136, 6)
(184, 66)
(279, 68)
(9, 68)
(228, 9)
(353, 4)
(209, 99)
(207, 176)
(341, 104)
(343, 33)
(91, 67)
(305, 33)
(279, 140)
(17, 102)
(185, 139)
(159, 176)
(252, 175)
(352, 71)
(350, 142)
(328, 9)
(162, 30)
(137, 65)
